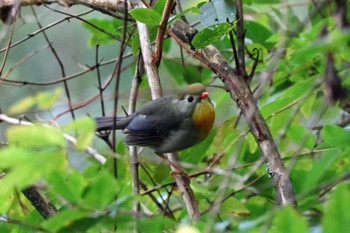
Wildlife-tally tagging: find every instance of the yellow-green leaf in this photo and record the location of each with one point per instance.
(44, 100)
(85, 127)
(35, 136)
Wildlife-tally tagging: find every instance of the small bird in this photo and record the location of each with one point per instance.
(167, 124)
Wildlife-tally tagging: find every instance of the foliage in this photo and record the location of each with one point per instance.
(310, 128)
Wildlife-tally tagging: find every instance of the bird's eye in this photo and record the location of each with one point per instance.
(190, 98)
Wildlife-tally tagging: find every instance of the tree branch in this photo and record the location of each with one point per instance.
(182, 181)
(241, 94)
(40, 202)
(158, 48)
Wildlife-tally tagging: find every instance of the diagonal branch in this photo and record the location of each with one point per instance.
(40, 202)
(243, 97)
(158, 48)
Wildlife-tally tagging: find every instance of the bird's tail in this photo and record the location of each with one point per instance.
(107, 123)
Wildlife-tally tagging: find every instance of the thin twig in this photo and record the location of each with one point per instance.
(4, 77)
(7, 50)
(30, 35)
(97, 64)
(69, 77)
(60, 64)
(240, 38)
(117, 72)
(90, 99)
(158, 48)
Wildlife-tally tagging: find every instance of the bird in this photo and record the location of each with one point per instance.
(167, 124)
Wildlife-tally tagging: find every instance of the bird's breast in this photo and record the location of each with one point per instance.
(203, 117)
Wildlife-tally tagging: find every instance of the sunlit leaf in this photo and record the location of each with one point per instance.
(6, 200)
(85, 127)
(25, 167)
(35, 136)
(306, 107)
(44, 100)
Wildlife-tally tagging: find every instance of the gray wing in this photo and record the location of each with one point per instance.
(152, 124)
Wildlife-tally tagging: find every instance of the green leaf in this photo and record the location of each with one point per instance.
(291, 94)
(217, 11)
(252, 145)
(80, 225)
(258, 33)
(318, 171)
(6, 200)
(103, 185)
(44, 100)
(100, 27)
(271, 108)
(135, 44)
(69, 185)
(232, 207)
(306, 107)
(184, 12)
(146, 16)
(154, 224)
(64, 219)
(86, 131)
(35, 136)
(336, 215)
(288, 220)
(25, 167)
(336, 136)
(211, 34)
(301, 136)
(159, 6)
